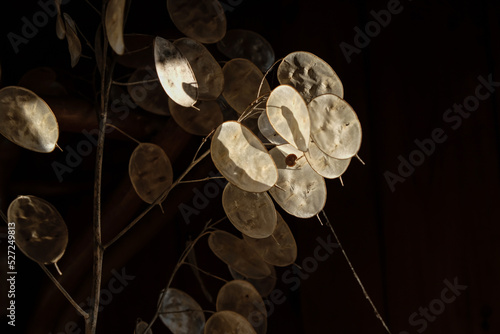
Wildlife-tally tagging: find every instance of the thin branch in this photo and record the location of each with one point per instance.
(159, 200)
(64, 292)
(265, 75)
(92, 6)
(202, 180)
(206, 272)
(123, 133)
(4, 217)
(133, 83)
(377, 314)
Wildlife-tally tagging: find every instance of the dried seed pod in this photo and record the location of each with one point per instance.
(236, 253)
(325, 165)
(335, 127)
(300, 191)
(268, 131)
(140, 328)
(201, 20)
(181, 313)
(175, 73)
(26, 120)
(206, 69)
(199, 121)
(41, 233)
(74, 45)
(242, 158)
(239, 43)
(228, 322)
(115, 10)
(60, 28)
(251, 213)
(241, 297)
(148, 95)
(280, 249)
(242, 80)
(310, 75)
(288, 115)
(150, 171)
(263, 285)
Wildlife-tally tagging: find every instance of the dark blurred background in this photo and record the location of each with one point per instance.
(437, 226)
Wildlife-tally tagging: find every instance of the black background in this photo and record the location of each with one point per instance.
(440, 224)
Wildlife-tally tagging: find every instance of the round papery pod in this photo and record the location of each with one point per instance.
(310, 75)
(288, 114)
(148, 95)
(176, 75)
(236, 253)
(242, 80)
(280, 249)
(253, 214)
(228, 322)
(181, 313)
(300, 191)
(267, 130)
(335, 127)
(239, 43)
(199, 121)
(206, 69)
(150, 171)
(325, 165)
(241, 297)
(201, 20)
(242, 158)
(140, 328)
(40, 231)
(26, 120)
(113, 21)
(263, 285)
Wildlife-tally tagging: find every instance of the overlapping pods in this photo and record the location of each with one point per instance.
(41, 233)
(228, 322)
(280, 249)
(201, 20)
(176, 75)
(26, 120)
(242, 158)
(263, 285)
(300, 191)
(181, 313)
(242, 80)
(310, 75)
(236, 253)
(324, 164)
(335, 127)
(288, 115)
(242, 297)
(253, 214)
(207, 71)
(150, 171)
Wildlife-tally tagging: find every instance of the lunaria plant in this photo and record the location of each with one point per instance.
(274, 145)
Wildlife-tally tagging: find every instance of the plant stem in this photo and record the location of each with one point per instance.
(159, 200)
(64, 292)
(377, 314)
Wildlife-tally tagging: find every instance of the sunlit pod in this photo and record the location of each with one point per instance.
(181, 313)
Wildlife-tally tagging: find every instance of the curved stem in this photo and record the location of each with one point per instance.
(377, 314)
(159, 200)
(64, 292)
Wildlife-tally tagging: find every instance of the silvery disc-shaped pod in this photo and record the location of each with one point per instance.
(242, 158)
(176, 75)
(310, 75)
(26, 120)
(236, 253)
(335, 127)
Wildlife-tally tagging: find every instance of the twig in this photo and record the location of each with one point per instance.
(205, 179)
(4, 217)
(377, 314)
(205, 272)
(133, 83)
(159, 200)
(92, 6)
(64, 292)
